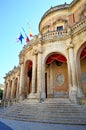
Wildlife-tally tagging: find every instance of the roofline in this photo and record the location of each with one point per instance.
(58, 7)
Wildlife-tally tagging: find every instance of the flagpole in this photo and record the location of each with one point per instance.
(27, 39)
(24, 31)
(28, 25)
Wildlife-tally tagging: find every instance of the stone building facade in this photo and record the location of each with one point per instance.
(53, 63)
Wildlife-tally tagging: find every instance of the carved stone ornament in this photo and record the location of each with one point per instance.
(60, 79)
(69, 45)
(35, 51)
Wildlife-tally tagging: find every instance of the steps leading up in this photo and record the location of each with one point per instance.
(50, 111)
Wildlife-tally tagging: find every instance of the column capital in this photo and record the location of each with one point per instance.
(70, 45)
(35, 51)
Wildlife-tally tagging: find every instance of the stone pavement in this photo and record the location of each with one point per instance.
(19, 125)
(4, 126)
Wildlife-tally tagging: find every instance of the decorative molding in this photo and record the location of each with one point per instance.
(35, 51)
(70, 44)
(60, 79)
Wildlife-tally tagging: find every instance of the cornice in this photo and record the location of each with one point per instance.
(73, 3)
(34, 42)
(56, 35)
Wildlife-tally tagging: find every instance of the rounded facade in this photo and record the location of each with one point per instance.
(52, 64)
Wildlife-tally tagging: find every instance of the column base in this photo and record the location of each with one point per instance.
(73, 96)
(39, 96)
(80, 93)
(32, 96)
(21, 98)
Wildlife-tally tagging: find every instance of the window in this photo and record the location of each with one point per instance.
(59, 28)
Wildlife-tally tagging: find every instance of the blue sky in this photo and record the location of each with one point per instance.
(15, 14)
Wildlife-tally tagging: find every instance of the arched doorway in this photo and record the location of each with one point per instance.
(83, 70)
(56, 76)
(28, 79)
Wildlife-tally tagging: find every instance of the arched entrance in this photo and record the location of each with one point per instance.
(28, 79)
(83, 70)
(56, 76)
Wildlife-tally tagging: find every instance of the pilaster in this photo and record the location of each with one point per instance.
(8, 90)
(21, 88)
(17, 91)
(35, 51)
(73, 88)
(12, 89)
(39, 70)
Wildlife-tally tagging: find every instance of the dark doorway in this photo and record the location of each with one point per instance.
(46, 84)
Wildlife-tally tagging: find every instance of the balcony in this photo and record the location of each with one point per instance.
(54, 34)
(79, 26)
(66, 32)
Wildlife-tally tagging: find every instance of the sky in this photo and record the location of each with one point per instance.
(15, 14)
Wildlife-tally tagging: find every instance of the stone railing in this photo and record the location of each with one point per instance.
(78, 26)
(54, 34)
(60, 34)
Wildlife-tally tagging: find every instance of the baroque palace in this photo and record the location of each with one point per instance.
(53, 63)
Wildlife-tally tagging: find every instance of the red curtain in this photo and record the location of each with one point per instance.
(83, 53)
(57, 57)
(29, 65)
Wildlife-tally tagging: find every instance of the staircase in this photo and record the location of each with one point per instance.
(50, 111)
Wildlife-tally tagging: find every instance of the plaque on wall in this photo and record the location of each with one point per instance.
(60, 79)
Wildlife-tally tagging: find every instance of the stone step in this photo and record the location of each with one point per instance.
(49, 111)
(51, 120)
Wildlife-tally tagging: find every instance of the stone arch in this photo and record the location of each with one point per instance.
(81, 70)
(56, 75)
(28, 76)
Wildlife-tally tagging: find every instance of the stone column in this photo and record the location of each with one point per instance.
(43, 94)
(69, 76)
(79, 79)
(28, 85)
(39, 70)
(73, 89)
(17, 91)
(48, 80)
(5, 90)
(12, 90)
(34, 72)
(21, 87)
(51, 81)
(8, 90)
